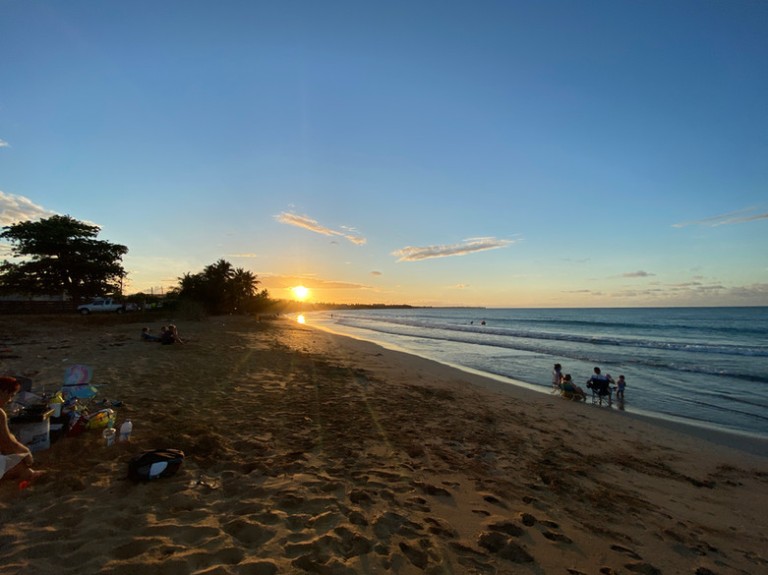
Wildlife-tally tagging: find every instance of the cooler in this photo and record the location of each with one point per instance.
(32, 429)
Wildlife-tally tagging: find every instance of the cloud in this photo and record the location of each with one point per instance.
(245, 255)
(637, 274)
(4, 144)
(376, 273)
(14, 209)
(738, 217)
(314, 226)
(468, 246)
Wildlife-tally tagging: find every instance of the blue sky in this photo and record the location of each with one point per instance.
(548, 154)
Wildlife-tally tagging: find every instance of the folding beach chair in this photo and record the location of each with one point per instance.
(601, 390)
(77, 382)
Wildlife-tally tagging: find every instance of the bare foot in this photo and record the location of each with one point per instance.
(28, 474)
(33, 474)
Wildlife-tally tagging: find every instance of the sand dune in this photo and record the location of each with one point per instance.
(311, 453)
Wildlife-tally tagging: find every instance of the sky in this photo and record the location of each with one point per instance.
(493, 153)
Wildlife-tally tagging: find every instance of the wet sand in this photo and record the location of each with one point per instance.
(309, 452)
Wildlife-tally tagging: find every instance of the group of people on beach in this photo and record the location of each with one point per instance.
(599, 383)
(169, 335)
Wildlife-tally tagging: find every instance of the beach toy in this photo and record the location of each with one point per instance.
(101, 419)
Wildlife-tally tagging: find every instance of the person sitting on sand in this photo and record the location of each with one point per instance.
(170, 335)
(146, 336)
(15, 458)
(570, 388)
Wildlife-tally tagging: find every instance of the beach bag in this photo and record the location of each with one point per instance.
(154, 464)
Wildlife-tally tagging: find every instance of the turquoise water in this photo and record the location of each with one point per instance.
(703, 366)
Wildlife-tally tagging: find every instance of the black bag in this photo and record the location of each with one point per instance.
(155, 464)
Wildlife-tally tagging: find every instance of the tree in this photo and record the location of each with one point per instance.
(220, 288)
(242, 287)
(64, 257)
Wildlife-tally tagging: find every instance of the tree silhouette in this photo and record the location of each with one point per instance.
(220, 288)
(65, 257)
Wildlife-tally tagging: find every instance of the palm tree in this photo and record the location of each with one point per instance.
(218, 276)
(243, 287)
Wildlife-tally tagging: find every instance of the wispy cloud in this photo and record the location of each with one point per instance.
(468, 246)
(14, 209)
(737, 217)
(637, 274)
(4, 144)
(246, 255)
(689, 293)
(308, 223)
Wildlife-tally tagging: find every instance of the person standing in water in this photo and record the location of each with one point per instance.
(557, 377)
(620, 385)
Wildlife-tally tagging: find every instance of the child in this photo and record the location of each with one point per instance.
(620, 385)
(557, 377)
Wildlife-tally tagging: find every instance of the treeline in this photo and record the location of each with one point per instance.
(62, 256)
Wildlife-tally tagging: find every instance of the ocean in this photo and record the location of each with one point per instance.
(701, 366)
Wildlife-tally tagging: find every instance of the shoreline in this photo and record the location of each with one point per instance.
(742, 441)
(312, 452)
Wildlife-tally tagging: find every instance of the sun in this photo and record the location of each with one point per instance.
(300, 292)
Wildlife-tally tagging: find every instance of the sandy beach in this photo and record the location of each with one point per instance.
(307, 452)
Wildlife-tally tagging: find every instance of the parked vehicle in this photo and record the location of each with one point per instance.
(99, 305)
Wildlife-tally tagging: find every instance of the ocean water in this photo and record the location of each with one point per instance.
(701, 366)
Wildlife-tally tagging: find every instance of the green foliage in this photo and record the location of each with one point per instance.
(64, 257)
(221, 289)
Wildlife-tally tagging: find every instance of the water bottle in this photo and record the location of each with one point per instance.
(125, 430)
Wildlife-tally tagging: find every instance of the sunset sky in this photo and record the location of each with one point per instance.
(492, 153)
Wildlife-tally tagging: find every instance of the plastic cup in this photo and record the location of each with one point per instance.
(109, 436)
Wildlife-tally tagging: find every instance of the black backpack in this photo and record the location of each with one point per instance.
(154, 464)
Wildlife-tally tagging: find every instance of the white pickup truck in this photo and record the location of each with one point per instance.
(101, 305)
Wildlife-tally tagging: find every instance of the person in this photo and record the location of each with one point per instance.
(620, 385)
(146, 336)
(600, 385)
(571, 388)
(15, 458)
(170, 335)
(557, 377)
